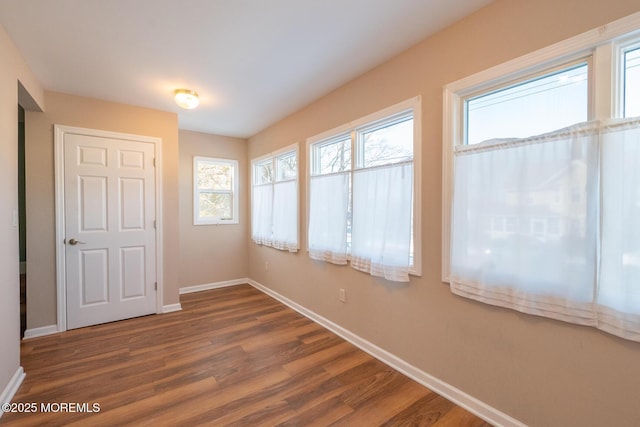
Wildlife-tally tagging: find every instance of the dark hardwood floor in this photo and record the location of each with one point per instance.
(232, 356)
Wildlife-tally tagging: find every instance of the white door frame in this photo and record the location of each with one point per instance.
(61, 273)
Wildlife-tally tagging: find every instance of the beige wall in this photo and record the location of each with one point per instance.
(12, 69)
(94, 114)
(211, 253)
(540, 371)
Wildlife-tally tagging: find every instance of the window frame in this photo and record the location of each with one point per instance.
(377, 120)
(626, 44)
(522, 79)
(197, 219)
(273, 158)
(605, 45)
(256, 163)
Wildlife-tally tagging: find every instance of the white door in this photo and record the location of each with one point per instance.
(109, 208)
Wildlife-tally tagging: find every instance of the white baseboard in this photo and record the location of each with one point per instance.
(40, 332)
(216, 285)
(457, 396)
(170, 308)
(53, 329)
(13, 386)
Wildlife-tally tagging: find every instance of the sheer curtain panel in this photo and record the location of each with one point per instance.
(550, 225)
(381, 234)
(328, 212)
(274, 203)
(285, 215)
(262, 206)
(618, 295)
(523, 233)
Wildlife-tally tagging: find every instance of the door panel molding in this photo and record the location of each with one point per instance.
(126, 160)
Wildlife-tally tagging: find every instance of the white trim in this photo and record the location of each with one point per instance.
(41, 331)
(455, 395)
(334, 133)
(598, 42)
(234, 191)
(61, 287)
(417, 186)
(307, 192)
(352, 128)
(385, 113)
(159, 228)
(273, 157)
(12, 387)
(346, 128)
(58, 140)
(276, 153)
(543, 58)
(602, 83)
(619, 49)
(209, 286)
(170, 308)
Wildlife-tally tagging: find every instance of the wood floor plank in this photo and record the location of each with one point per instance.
(322, 414)
(318, 357)
(232, 356)
(383, 405)
(346, 362)
(424, 412)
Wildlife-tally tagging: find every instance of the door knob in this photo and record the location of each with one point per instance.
(74, 242)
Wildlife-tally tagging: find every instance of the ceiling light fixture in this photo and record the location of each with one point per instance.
(186, 98)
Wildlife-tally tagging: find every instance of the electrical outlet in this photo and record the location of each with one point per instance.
(266, 265)
(343, 295)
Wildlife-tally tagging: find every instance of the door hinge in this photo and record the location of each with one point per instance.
(154, 162)
(155, 286)
(155, 225)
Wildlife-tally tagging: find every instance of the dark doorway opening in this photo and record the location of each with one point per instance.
(22, 220)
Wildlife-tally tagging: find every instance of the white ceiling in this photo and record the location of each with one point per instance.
(253, 62)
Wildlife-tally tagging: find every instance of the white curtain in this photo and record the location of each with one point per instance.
(262, 214)
(285, 215)
(523, 231)
(618, 294)
(550, 225)
(381, 234)
(328, 210)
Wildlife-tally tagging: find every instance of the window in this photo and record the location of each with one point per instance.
(215, 185)
(632, 82)
(549, 141)
(554, 100)
(362, 193)
(274, 202)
